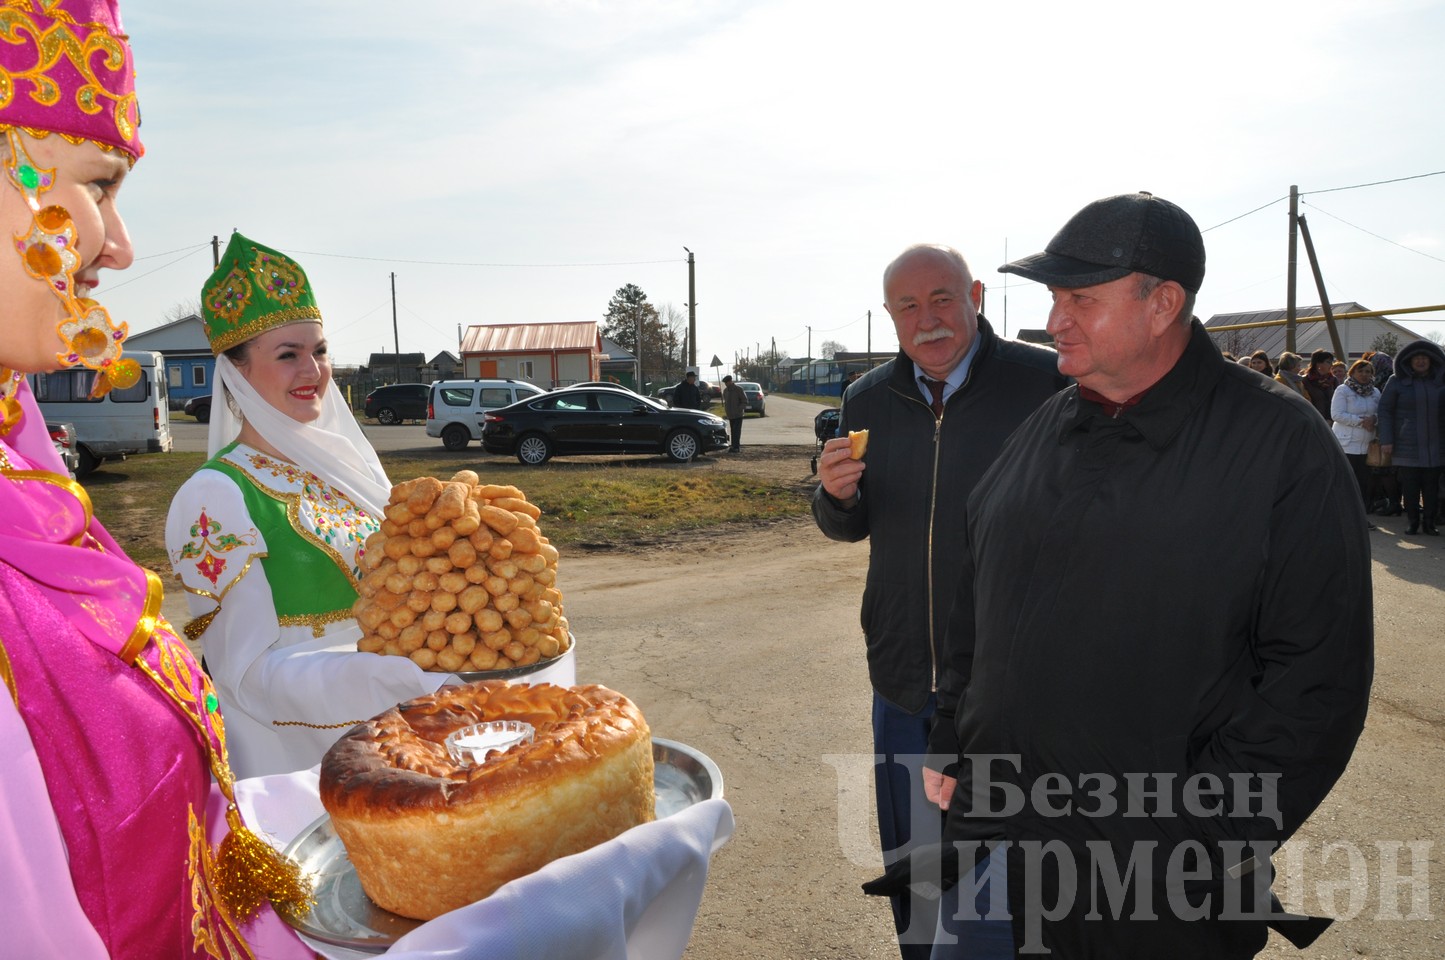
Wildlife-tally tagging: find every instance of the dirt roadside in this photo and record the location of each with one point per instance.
(746, 645)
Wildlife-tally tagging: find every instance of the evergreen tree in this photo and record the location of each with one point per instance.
(627, 312)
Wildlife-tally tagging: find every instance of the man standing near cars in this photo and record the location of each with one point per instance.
(1145, 711)
(937, 415)
(686, 394)
(735, 404)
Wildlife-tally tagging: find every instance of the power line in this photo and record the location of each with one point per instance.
(1245, 214)
(845, 326)
(1357, 186)
(152, 256)
(1375, 235)
(332, 331)
(1303, 193)
(193, 252)
(455, 263)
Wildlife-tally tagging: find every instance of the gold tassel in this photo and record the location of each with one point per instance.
(198, 626)
(249, 870)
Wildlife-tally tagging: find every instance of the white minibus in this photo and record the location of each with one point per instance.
(134, 420)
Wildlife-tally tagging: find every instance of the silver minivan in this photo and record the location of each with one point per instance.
(456, 408)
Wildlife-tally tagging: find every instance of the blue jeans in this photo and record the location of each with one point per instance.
(982, 934)
(901, 738)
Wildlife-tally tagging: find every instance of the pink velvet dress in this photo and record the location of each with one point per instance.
(108, 811)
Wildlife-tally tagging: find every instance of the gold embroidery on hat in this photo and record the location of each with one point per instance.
(229, 297)
(260, 325)
(278, 280)
(57, 42)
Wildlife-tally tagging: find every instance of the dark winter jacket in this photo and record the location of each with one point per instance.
(1412, 409)
(918, 475)
(687, 396)
(1116, 652)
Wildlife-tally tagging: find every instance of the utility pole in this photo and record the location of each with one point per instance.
(395, 340)
(691, 313)
(810, 360)
(870, 337)
(1329, 316)
(638, 319)
(1005, 290)
(1289, 295)
(215, 252)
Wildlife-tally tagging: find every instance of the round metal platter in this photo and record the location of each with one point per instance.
(345, 917)
(515, 673)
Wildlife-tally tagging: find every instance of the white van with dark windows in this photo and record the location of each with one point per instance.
(456, 409)
(134, 420)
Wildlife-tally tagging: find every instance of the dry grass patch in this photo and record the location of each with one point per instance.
(594, 503)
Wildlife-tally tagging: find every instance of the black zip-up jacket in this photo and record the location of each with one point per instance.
(1121, 646)
(919, 472)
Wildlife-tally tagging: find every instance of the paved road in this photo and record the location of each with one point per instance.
(788, 422)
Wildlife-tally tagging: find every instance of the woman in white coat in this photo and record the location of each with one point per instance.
(1354, 410)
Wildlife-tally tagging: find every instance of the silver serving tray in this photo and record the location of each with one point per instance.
(346, 917)
(515, 673)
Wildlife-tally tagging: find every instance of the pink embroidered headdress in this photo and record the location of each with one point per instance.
(66, 68)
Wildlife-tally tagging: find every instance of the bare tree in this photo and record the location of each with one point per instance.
(674, 347)
(183, 309)
(831, 348)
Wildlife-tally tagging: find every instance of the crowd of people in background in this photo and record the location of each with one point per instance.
(1395, 406)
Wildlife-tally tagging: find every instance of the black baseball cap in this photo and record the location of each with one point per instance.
(1117, 236)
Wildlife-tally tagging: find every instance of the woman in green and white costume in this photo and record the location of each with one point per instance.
(268, 534)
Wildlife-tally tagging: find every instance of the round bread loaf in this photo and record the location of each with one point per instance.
(428, 835)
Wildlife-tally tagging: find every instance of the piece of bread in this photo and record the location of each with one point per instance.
(857, 443)
(428, 835)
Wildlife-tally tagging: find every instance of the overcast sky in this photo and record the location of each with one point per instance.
(519, 160)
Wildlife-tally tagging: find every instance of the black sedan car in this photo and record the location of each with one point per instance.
(598, 420)
(396, 402)
(199, 407)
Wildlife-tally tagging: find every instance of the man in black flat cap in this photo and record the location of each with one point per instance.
(1142, 709)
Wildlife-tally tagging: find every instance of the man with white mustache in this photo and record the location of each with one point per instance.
(937, 415)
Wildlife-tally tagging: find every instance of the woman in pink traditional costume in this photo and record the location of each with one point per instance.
(109, 735)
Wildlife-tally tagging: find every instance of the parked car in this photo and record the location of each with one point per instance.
(705, 390)
(599, 383)
(456, 407)
(597, 420)
(396, 402)
(757, 400)
(199, 407)
(63, 436)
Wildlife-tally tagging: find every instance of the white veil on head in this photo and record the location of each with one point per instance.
(332, 446)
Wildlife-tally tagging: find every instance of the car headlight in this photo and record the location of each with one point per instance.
(710, 421)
